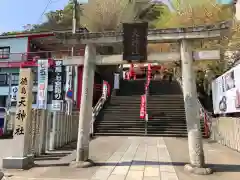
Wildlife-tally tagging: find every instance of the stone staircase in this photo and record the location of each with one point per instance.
(166, 115)
(120, 116)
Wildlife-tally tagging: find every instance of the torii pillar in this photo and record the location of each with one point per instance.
(195, 145)
(85, 116)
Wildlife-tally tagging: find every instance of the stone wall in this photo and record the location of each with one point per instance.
(226, 131)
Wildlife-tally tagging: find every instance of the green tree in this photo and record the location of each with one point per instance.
(108, 15)
(57, 20)
(102, 15)
(203, 12)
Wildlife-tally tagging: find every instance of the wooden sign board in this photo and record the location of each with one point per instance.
(135, 41)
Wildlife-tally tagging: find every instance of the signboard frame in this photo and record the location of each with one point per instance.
(135, 41)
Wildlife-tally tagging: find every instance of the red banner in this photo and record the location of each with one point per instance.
(142, 107)
(131, 70)
(108, 91)
(128, 75)
(149, 73)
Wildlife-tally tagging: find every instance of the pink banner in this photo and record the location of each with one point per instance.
(149, 73)
(106, 89)
(142, 107)
(109, 88)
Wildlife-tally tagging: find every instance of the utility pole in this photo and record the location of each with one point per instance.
(75, 68)
(70, 69)
(74, 21)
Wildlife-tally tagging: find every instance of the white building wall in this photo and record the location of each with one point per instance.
(17, 47)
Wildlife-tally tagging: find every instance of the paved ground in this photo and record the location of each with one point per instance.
(225, 161)
(132, 158)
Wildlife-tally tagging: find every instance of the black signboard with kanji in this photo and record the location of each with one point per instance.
(58, 81)
(135, 41)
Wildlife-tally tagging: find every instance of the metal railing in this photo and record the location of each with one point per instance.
(16, 58)
(26, 56)
(4, 79)
(203, 112)
(98, 108)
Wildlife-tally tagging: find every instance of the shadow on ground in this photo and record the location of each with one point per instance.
(51, 156)
(54, 158)
(215, 167)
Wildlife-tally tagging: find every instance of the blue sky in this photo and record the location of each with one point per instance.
(14, 14)
(167, 2)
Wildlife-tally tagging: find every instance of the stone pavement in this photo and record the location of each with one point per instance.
(225, 161)
(132, 158)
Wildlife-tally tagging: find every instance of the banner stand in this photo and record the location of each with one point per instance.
(146, 124)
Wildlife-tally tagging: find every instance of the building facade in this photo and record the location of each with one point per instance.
(24, 50)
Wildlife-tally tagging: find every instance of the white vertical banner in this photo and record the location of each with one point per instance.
(69, 88)
(75, 80)
(42, 84)
(14, 93)
(116, 80)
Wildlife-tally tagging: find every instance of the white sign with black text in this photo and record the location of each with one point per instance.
(14, 93)
(58, 86)
(42, 84)
(226, 92)
(69, 89)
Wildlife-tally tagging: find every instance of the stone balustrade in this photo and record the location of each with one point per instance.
(44, 134)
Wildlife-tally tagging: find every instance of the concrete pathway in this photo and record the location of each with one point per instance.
(132, 158)
(116, 158)
(225, 161)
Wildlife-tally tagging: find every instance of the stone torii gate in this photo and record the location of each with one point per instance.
(182, 35)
